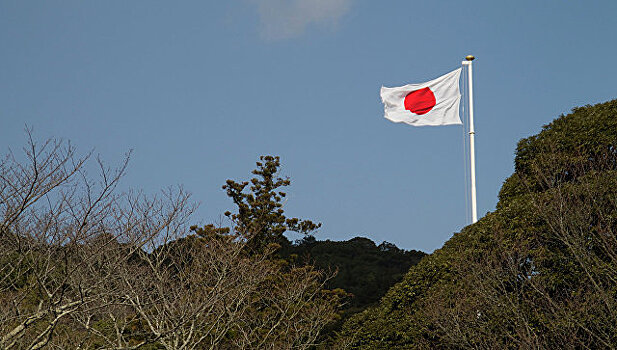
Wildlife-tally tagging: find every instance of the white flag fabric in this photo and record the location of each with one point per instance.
(432, 103)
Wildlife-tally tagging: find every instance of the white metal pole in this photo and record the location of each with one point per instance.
(472, 134)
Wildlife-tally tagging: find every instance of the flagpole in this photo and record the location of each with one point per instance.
(472, 134)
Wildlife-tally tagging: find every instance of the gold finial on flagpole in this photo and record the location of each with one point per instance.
(469, 58)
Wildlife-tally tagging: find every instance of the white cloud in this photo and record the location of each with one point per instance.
(282, 19)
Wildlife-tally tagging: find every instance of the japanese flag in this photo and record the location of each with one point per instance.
(432, 103)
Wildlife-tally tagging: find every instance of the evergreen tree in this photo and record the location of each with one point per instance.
(260, 217)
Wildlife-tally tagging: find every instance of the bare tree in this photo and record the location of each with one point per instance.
(64, 237)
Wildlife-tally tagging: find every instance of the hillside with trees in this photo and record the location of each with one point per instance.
(539, 272)
(363, 269)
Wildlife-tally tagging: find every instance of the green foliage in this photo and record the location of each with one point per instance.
(567, 148)
(539, 272)
(364, 269)
(260, 217)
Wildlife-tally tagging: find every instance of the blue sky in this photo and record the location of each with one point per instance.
(200, 89)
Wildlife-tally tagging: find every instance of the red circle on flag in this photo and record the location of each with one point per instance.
(420, 101)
